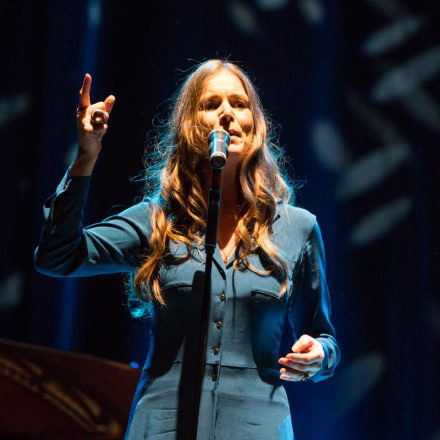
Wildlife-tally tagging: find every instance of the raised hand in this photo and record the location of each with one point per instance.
(89, 135)
(304, 361)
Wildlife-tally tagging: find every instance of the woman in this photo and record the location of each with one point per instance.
(268, 282)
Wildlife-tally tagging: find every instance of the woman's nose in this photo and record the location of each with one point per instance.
(226, 112)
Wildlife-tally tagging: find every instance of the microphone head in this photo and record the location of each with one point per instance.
(218, 140)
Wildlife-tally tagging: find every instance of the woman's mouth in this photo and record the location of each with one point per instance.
(233, 133)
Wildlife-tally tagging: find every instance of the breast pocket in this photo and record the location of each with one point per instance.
(267, 303)
(260, 295)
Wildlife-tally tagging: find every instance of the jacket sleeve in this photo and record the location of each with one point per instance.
(310, 303)
(115, 244)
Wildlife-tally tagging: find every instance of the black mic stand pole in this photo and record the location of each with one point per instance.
(210, 244)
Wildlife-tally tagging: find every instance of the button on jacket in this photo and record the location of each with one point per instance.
(250, 324)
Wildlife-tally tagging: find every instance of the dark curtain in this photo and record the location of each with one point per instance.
(354, 90)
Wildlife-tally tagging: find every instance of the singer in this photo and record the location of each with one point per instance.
(269, 315)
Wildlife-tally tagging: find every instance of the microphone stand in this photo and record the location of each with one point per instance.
(210, 244)
(218, 143)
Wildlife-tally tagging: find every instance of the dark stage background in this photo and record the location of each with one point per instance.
(354, 87)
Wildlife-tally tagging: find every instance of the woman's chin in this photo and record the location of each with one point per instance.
(235, 148)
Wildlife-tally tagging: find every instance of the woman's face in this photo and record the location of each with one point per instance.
(225, 104)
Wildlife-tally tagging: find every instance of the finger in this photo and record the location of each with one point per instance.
(303, 343)
(309, 372)
(288, 360)
(314, 366)
(100, 112)
(109, 102)
(291, 375)
(306, 358)
(84, 93)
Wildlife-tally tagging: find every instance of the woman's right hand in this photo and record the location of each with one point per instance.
(89, 135)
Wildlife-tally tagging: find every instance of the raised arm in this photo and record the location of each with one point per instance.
(118, 243)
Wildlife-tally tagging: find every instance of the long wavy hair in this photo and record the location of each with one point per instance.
(175, 188)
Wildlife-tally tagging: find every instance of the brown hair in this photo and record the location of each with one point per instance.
(176, 188)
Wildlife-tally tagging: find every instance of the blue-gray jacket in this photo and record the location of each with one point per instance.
(251, 325)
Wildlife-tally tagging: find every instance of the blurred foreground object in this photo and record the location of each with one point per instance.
(47, 394)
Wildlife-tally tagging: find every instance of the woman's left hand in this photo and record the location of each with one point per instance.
(304, 361)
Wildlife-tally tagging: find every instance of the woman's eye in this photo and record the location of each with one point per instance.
(208, 105)
(241, 104)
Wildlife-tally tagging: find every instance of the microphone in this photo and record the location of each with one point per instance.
(218, 141)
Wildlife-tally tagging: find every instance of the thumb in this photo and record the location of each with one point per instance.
(302, 344)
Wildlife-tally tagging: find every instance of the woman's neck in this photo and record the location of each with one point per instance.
(230, 193)
(230, 203)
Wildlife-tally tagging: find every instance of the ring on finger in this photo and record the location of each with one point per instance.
(305, 376)
(98, 117)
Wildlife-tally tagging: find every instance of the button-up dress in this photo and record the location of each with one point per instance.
(250, 324)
